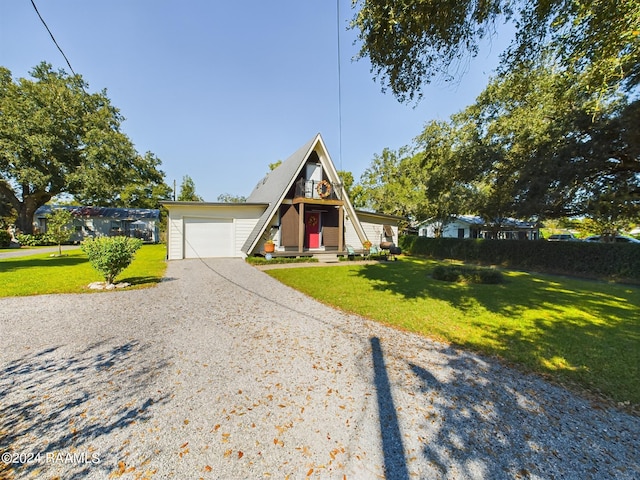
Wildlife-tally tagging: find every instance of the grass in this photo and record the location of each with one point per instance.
(41, 273)
(581, 333)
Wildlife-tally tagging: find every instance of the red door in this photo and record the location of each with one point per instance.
(312, 229)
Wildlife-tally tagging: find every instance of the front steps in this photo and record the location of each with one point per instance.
(326, 257)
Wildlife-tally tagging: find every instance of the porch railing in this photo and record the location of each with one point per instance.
(323, 190)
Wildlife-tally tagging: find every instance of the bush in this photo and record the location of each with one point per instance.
(110, 255)
(5, 239)
(35, 240)
(465, 273)
(279, 260)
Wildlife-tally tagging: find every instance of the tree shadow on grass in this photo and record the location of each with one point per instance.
(11, 265)
(571, 329)
(58, 401)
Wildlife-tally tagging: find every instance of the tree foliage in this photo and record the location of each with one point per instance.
(530, 147)
(59, 227)
(56, 138)
(410, 42)
(394, 184)
(188, 191)
(229, 198)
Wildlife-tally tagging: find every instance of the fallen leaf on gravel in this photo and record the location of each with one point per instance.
(184, 444)
(309, 472)
(186, 422)
(228, 453)
(208, 468)
(240, 454)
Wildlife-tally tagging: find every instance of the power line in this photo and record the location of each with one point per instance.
(53, 38)
(339, 84)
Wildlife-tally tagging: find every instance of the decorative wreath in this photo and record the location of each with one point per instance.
(312, 220)
(324, 189)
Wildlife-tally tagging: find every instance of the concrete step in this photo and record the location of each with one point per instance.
(327, 257)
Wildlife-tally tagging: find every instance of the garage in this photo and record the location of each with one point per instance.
(208, 237)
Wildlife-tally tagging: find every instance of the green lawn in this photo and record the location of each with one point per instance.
(41, 273)
(579, 332)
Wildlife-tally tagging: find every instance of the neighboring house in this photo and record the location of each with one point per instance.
(140, 223)
(301, 205)
(472, 226)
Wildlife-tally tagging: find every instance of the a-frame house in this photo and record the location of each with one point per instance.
(301, 206)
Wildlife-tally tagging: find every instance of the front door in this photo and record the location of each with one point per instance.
(312, 229)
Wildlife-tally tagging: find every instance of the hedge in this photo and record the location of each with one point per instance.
(5, 239)
(615, 260)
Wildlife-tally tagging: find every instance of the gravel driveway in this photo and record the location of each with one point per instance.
(221, 372)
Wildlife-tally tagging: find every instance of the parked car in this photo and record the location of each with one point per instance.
(562, 237)
(616, 239)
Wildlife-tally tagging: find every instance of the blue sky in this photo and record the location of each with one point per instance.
(218, 90)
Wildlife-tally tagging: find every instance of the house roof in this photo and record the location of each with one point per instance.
(381, 215)
(478, 221)
(214, 204)
(102, 212)
(275, 185)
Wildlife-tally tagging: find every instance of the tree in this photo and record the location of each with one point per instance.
(56, 138)
(410, 42)
(140, 185)
(394, 184)
(354, 190)
(188, 191)
(228, 198)
(447, 192)
(59, 227)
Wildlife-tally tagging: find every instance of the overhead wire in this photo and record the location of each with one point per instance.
(339, 85)
(53, 38)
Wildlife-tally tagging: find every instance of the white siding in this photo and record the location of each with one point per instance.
(244, 227)
(351, 236)
(241, 219)
(175, 233)
(374, 228)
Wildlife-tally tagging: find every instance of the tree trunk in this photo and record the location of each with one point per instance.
(28, 208)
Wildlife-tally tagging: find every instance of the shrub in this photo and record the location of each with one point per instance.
(465, 273)
(279, 260)
(5, 239)
(35, 240)
(110, 255)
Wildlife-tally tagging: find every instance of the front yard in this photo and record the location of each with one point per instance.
(585, 334)
(582, 333)
(41, 273)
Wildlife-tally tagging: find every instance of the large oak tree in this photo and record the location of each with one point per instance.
(409, 42)
(56, 138)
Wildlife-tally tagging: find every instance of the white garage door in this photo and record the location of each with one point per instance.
(206, 237)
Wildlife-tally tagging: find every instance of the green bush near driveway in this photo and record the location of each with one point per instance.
(579, 332)
(40, 273)
(110, 255)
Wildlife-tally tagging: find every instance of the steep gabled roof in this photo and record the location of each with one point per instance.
(275, 185)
